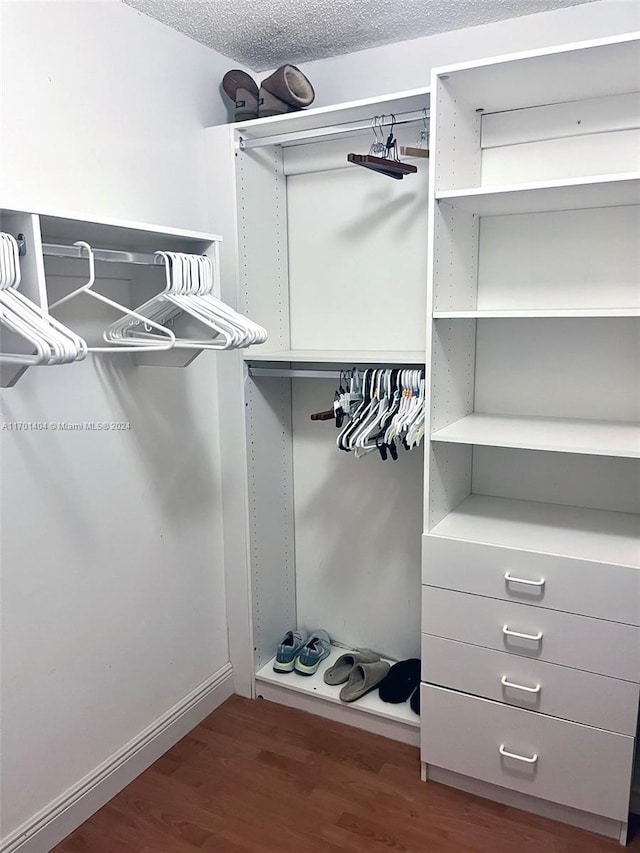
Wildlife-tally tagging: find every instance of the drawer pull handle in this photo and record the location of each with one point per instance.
(512, 579)
(525, 758)
(509, 633)
(506, 683)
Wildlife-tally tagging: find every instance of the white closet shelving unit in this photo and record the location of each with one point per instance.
(531, 551)
(125, 272)
(332, 260)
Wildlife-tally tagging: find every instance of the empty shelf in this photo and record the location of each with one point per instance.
(550, 313)
(597, 191)
(339, 357)
(591, 534)
(563, 435)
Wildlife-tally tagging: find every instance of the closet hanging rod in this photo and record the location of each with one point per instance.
(319, 132)
(287, 373)
(116, 256)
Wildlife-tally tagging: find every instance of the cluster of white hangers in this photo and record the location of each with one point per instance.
(52, 342)
(189, 290)
(385, 408)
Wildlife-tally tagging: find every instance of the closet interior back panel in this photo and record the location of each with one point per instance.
(357, 526)
(357, 251)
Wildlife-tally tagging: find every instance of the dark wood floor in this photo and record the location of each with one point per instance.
(256, 777)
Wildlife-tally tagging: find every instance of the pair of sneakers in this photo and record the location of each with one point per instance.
(301, 652)
(284, 91)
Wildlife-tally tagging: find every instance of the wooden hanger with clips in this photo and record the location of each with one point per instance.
(421, 148)
(383, 156)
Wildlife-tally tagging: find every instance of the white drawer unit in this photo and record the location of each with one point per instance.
(567, 763)
(559, 583)
(595, 645)
(595, 700)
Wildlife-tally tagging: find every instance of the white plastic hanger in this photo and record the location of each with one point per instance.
(54, 342)
(189, 289)
(134, 345)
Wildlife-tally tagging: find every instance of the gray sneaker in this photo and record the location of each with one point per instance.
(288, 649)
(316, 649)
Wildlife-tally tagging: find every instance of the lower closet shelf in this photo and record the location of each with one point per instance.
(313, 686)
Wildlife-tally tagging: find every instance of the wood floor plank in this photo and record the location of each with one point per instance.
(256, 777)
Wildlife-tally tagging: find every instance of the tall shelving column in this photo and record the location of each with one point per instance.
(531, 555)
(319, 243)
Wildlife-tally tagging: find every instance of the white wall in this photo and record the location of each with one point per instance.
(112, 550)
(408, 64)
(103, 110)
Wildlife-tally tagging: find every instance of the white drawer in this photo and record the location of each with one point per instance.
(595, 700)
(595, 645)
(560, 583)
(574, 765)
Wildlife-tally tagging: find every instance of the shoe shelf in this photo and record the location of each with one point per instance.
(563, 435)
(313, 686)
(570, 531)
(544, 196)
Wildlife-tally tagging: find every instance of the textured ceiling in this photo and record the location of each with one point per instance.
(263, 34)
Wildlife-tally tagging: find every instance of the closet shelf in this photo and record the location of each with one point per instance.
(570, 531)
(314, 685)
(319, 119)
(550, 313)
(563, 435)
(539, 196)
(339, 357)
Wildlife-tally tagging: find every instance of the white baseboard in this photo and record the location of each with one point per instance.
(47, 828)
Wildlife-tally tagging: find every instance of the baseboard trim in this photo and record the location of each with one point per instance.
(47, 828)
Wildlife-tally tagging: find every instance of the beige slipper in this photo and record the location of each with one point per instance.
(364, 677)
(341, 670)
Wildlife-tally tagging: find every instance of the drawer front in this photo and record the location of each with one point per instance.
(594, 645)
(560, 583)
(595, 700)
(566, 763)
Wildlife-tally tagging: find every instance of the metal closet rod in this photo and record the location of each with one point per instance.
(288, 373)
(303, 373)
(333, 130)
(116, 256)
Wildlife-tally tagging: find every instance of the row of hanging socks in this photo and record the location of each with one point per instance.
(383, 154)
(377, 410)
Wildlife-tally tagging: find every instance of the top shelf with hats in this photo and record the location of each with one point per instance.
(348, 119)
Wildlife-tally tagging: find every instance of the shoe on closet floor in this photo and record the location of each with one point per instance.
(315, 650)
(341, 670)
(414, 702)
(401, 681)
(288, 650)
(364, 678)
